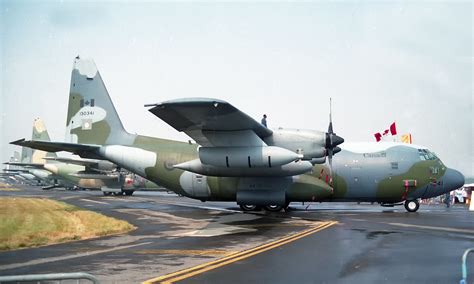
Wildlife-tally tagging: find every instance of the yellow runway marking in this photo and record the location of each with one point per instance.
(214, 252)
(445, 229)
(186, 273)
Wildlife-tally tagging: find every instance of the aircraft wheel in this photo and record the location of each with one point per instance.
(246, 207)
(412, 205)
(129, 192)
(273, 208)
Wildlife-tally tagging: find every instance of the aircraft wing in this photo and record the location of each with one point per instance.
(211, 122)
(83, 150)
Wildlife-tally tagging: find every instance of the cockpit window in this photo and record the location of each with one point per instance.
(426, 155)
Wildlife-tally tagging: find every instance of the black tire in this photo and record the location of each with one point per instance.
(246, 207)
(106, 193)
(273, 208)
(118, 193)
(412, 205)
(129, 192)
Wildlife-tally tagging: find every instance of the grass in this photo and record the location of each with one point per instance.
(29, 222)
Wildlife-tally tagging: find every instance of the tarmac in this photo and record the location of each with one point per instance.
(187, 241)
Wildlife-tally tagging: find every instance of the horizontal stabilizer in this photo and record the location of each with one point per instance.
(94, 176)
(25, 165)
(15, 171)
(81, 162)
(83, 150)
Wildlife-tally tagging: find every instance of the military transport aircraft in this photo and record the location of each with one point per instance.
(79, 173)
(238, 159)
(33, 177)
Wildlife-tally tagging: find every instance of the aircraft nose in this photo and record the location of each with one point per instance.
(453, 179)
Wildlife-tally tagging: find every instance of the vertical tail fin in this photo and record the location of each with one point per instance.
(91, 116)
(16, 157)
(26, 154)
(40, 133)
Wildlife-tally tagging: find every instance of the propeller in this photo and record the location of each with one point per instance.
(332, 140)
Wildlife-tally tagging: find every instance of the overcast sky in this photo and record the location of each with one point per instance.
(380, 62)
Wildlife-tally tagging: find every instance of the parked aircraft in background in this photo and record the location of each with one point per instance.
(23, 175)
(238, 159)
(78, 173)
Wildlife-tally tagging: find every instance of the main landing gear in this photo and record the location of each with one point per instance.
(248, 208)
(412, 205)
(118, 193)
(270, 208)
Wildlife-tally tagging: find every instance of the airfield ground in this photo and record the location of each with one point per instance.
(187, 241)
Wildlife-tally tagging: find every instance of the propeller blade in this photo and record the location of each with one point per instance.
(330, 131)
(336, 140)
(330, 166)
(332, 140)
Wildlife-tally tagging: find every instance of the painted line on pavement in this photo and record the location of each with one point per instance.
(189, 272)
(66, 257)
(99, 202)
(445, 229)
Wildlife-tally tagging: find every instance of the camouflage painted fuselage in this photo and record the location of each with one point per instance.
(377, 172)
(382, 172)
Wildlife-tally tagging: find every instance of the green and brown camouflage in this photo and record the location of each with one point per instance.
(365, 171)
(376, 172)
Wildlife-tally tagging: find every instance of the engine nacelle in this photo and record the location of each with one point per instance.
(105, 166)
(247, 157)
(310, 143)
(319, 161)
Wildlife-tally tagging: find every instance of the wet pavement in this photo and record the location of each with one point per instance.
(214, 242)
